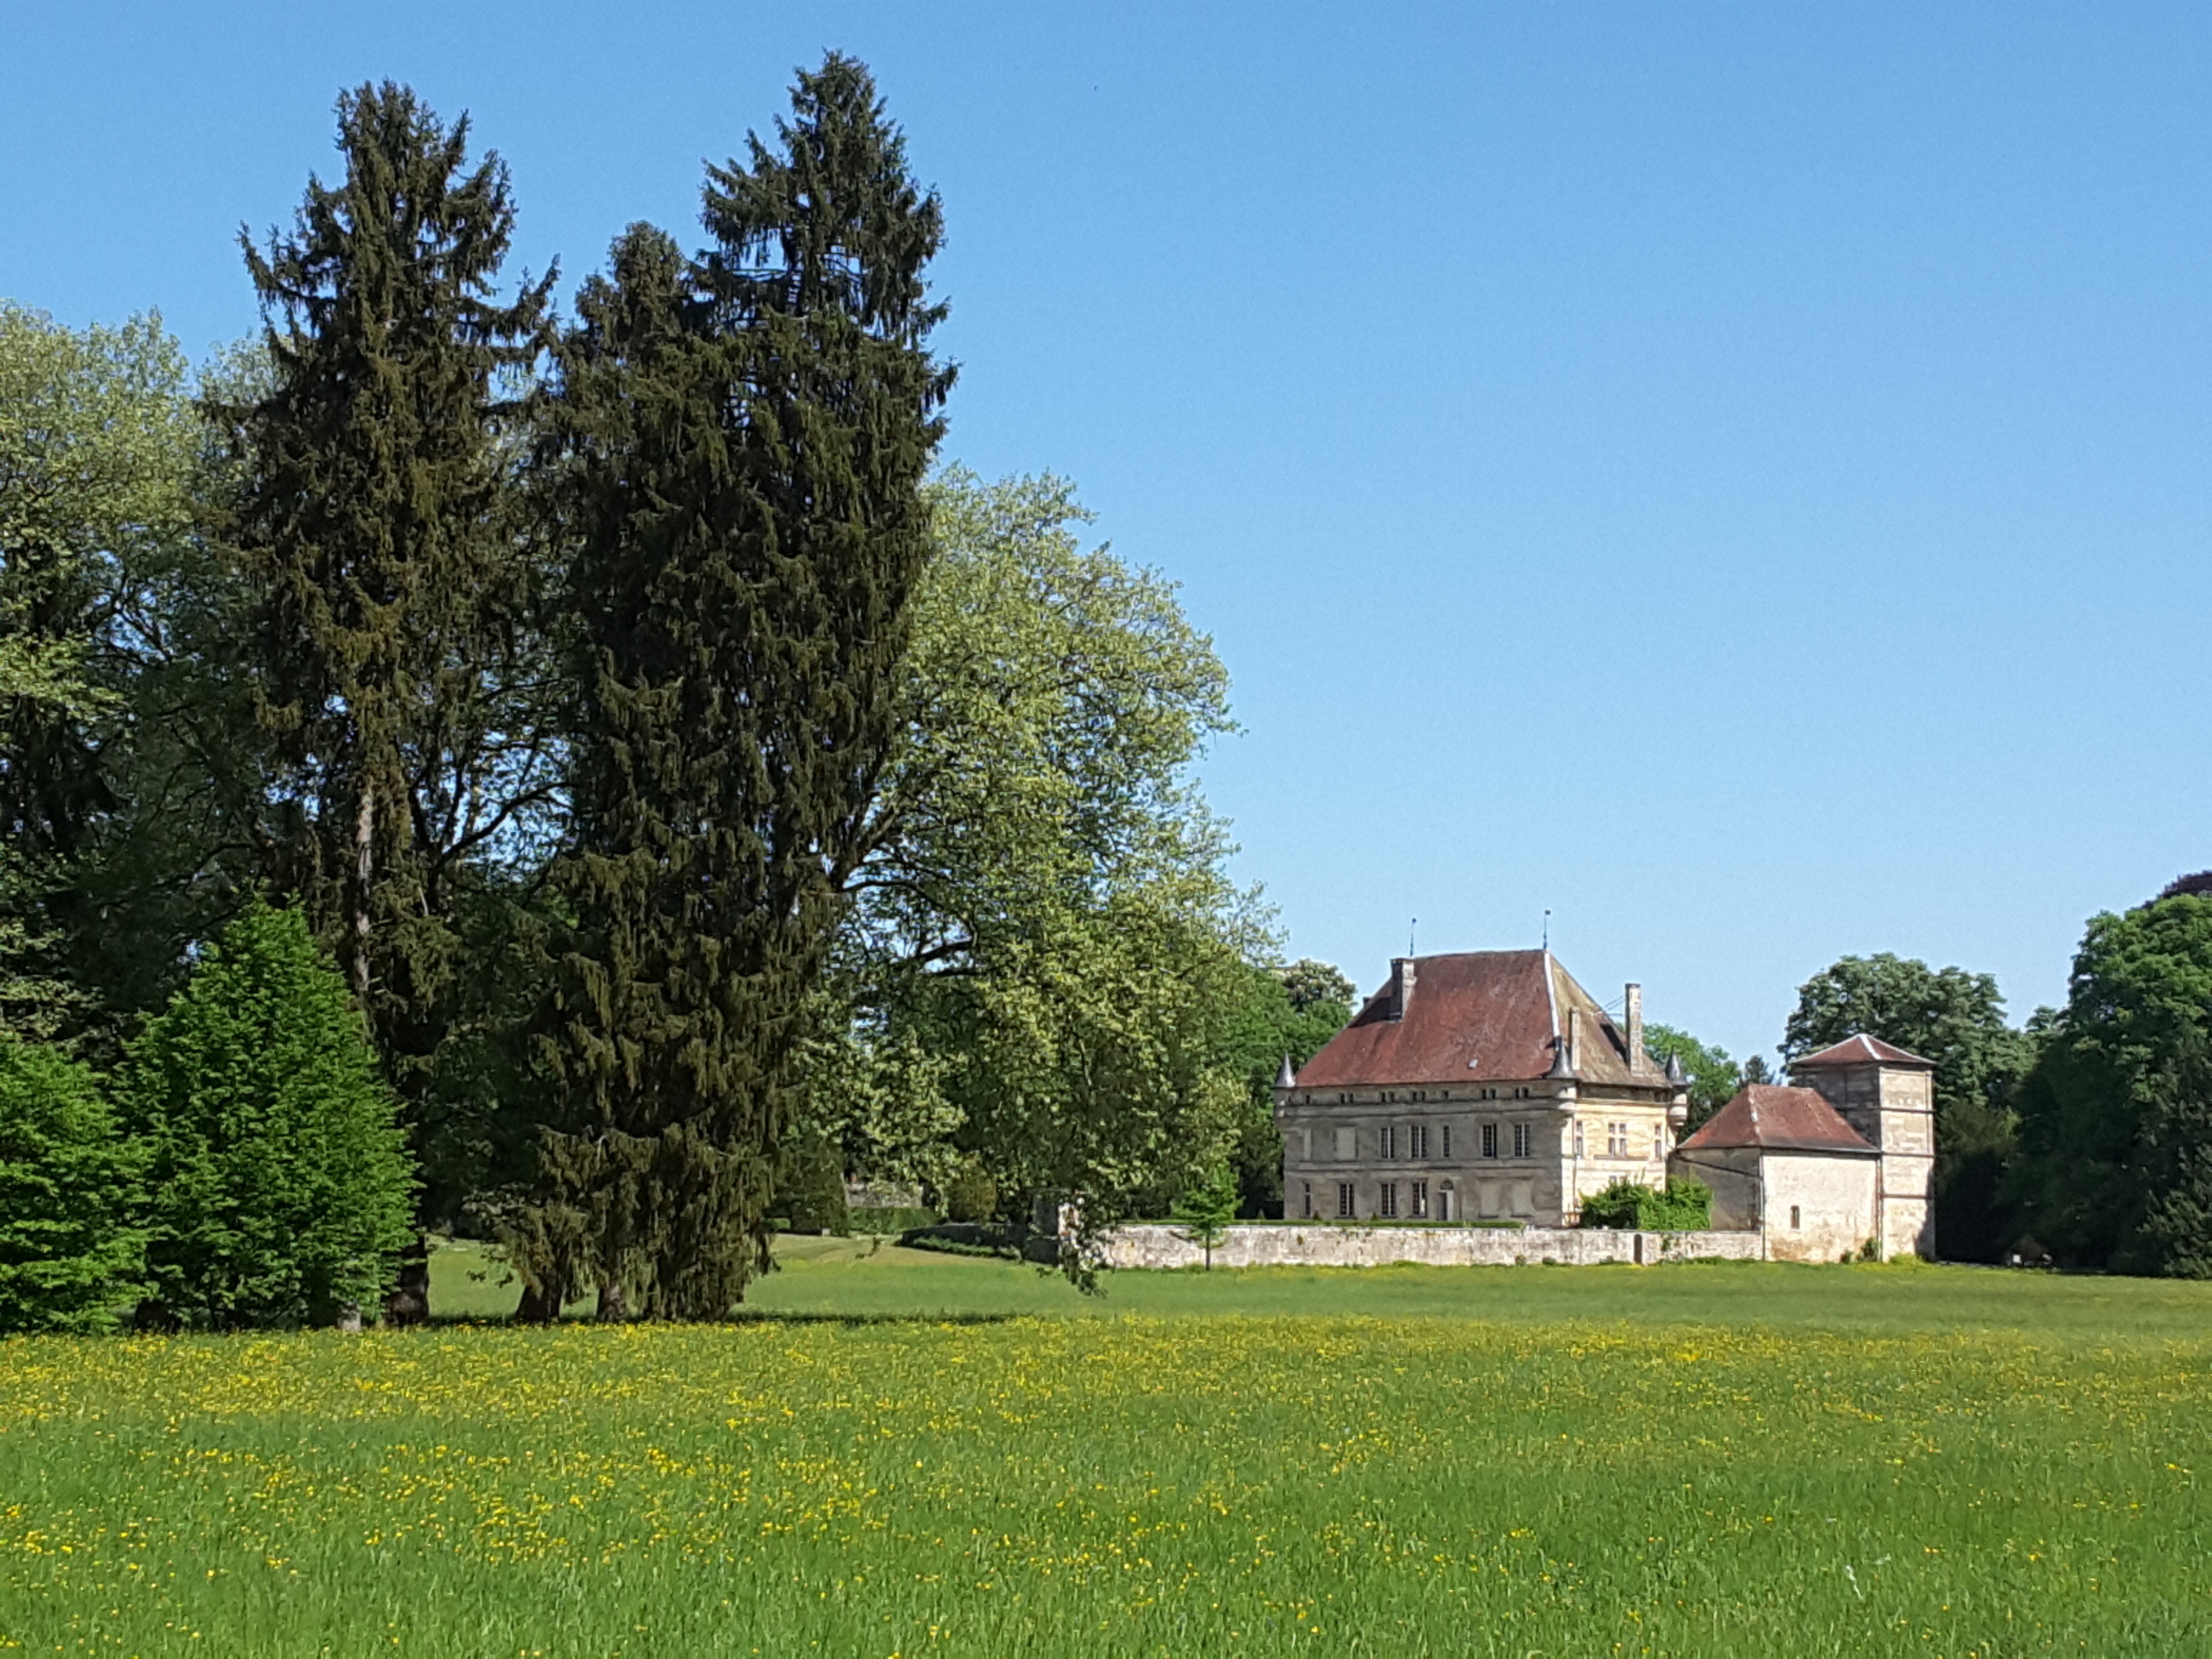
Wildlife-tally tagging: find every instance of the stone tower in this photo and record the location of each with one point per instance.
(1888, 1097)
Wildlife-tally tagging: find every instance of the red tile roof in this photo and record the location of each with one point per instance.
(1860, 1050)
(1768, 1115)
(1476, 1017)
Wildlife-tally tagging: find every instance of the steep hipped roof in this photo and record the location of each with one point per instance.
(1475, 1016)
(1860, 1050)
(1769, 1115)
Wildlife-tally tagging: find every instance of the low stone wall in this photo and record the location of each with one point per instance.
(1161, 1245)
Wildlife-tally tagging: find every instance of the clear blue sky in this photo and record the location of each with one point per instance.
(1734, 475)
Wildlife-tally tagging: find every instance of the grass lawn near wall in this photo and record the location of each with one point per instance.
(902, 1454)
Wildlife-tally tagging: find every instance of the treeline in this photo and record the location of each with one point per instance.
(2083, 1137)
(683, 790)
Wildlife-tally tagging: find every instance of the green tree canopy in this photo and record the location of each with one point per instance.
(279, 1186)
(69, 1190)
(1287, 1012)
(2113, 1126)
(1714, 1077)
(1044, 966)
(98, 446)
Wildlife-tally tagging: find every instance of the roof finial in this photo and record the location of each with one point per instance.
(1410, 927)
(1547, 930)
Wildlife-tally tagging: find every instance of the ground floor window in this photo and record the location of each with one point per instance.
(1389, 1204)
(1444, 1203)
(1578, 1138)
(1344, 1200)
(1421, 1198)
(1795, 1217)
(1308, 1185)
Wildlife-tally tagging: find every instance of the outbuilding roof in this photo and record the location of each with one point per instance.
(1474, 1016)
(1860, 1050)
(1767, 1115)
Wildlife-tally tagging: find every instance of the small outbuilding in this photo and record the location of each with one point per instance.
(1783, 1161)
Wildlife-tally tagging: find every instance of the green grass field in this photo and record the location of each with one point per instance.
(898, 1453)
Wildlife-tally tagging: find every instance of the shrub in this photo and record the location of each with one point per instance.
(810, 1193)
(69, 1255)
(279, 1186)
(1686, 1206)
(971, 1195)
(964, 1238)
(888, 1220)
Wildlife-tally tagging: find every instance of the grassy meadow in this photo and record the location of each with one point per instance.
(897, 1454)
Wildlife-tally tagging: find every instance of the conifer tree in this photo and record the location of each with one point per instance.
(279, 1187)
(69, 1252)
(395, 655)
(751, 433)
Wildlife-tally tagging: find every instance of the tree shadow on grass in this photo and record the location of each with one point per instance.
(741, 1316)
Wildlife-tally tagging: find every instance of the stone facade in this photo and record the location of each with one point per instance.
(1819, 1208)
(1161, 1245)
(1526, 1152)
(1888, 1097)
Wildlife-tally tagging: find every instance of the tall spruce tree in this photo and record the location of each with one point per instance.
(394, 650)
(750, 436)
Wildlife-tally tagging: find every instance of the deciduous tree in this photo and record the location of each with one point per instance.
(98, 450)
(1714, 1077)
(1046, 967)
(2115, 1137)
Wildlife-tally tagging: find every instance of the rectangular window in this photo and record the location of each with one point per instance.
(1579, 1137)
(1421, 1198)
(1417, 1139)
(1658, 1141)
(1793, 1215)
(1447, 1140)
(1490, 1140)
(1616, 1141)
(1308, 1185)
(1344, 1209)
(1389, 1207)
(1522, 1137)
(1386, 1142)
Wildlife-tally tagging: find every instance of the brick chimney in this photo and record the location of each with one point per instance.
(1401, 985)
(1633, 1003)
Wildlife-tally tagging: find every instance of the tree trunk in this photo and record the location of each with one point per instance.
(364, 867)
(614, 1302)
(409, 1301)
(541, 1305)
(349, 1316)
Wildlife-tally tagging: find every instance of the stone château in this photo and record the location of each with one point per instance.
(1486, 1085)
